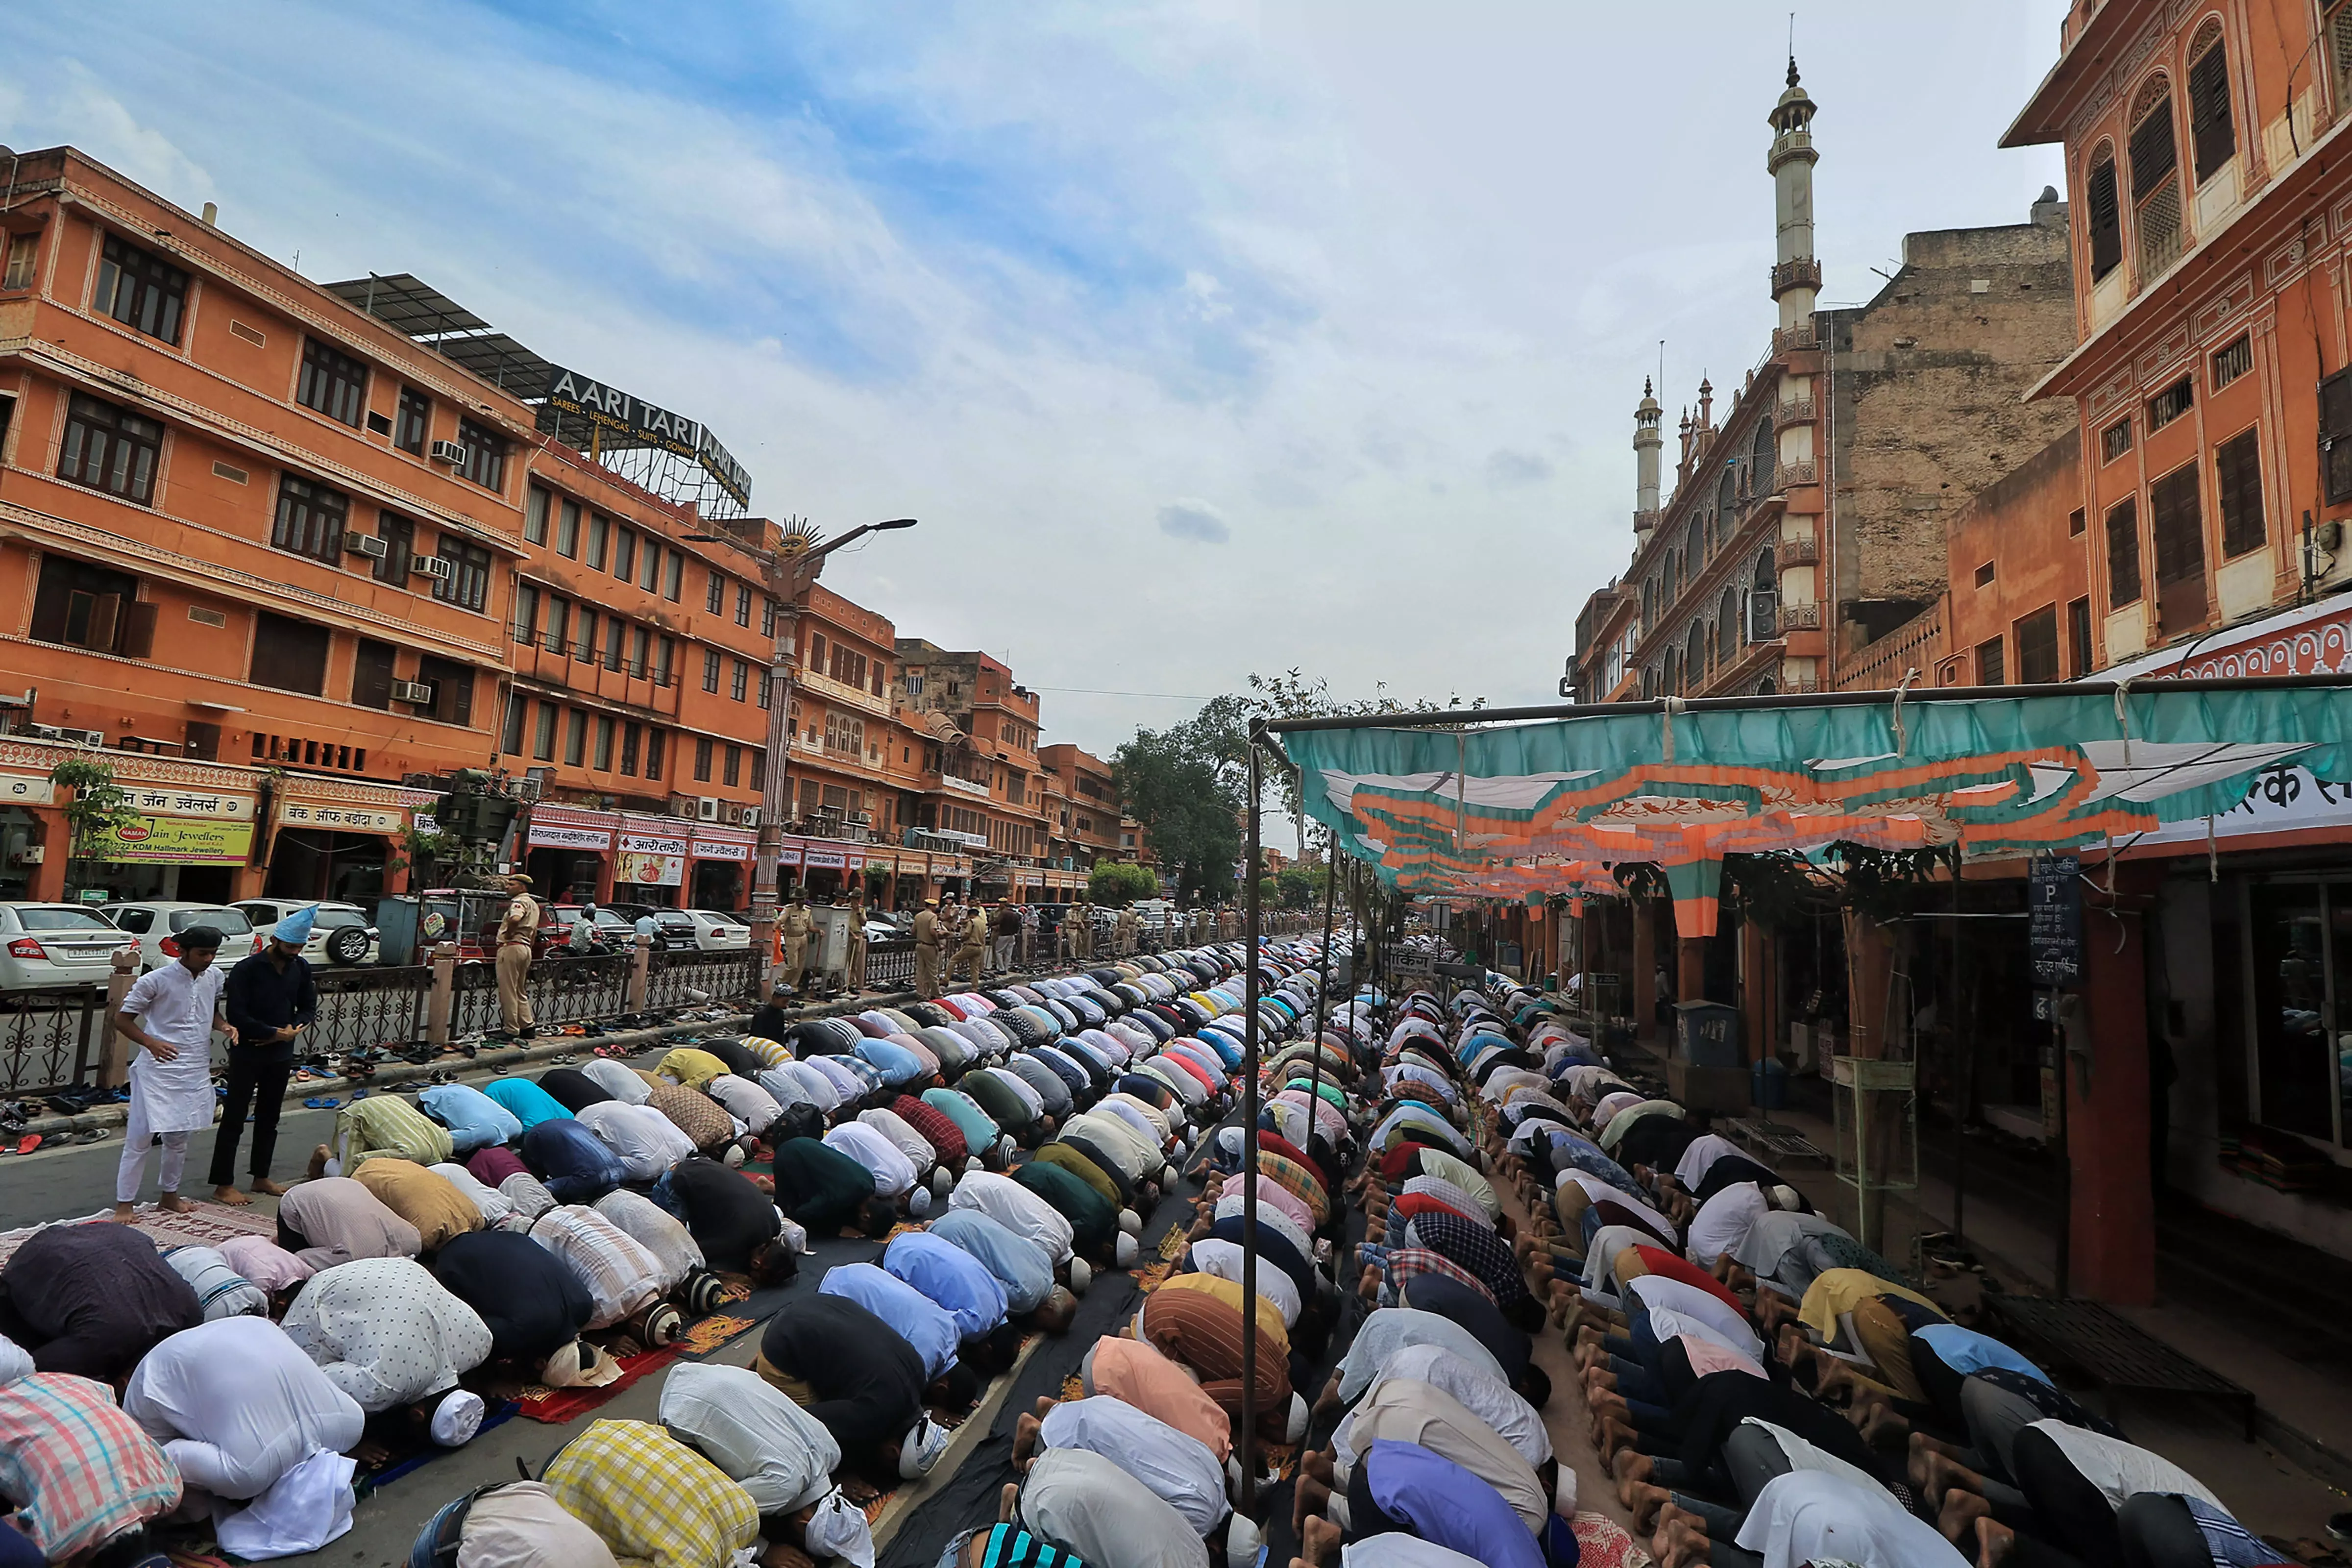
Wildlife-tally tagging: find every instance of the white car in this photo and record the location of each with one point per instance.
(715, 932)
(155, 926)
(46, 946)
(328, 942)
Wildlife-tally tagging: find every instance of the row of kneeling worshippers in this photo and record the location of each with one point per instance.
(534, 1232)
(1766, 1389)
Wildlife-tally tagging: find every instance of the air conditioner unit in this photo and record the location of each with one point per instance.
(43, 732)
(705, 808)
(449, 452)
(750, 816)
(430, 565)
(83, 737)
(411, 691)
(862, 818)
(367, 544)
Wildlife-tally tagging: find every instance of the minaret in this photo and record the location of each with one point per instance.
(1797, 274)
(1646, 442)
(1706, 411)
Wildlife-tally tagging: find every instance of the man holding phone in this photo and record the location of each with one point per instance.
(271, 1002)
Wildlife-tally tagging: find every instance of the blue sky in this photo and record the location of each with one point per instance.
(1204, 338)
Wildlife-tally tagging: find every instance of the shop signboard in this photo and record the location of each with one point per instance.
(651, 859)
(341, 819)
(720, 849)
(26, 789)
(174, 841)
(552, 829)
(161, 800)
(823, 860)
(2053, 933)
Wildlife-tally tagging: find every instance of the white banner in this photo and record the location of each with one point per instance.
(338, 818)
(24, 789)
(654, 844)
(554, 836)
(721, 849)
(817, 860)
(2285, 799)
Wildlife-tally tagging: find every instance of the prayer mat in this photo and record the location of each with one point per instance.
(1602, 1543)
(555, 1407)
(207, 1224)
(709, 1335)
(423, 1451)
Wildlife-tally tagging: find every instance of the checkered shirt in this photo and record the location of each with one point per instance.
(83, 1470)
(650, 1498)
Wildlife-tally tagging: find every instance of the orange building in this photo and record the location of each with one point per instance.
(980, 787)
(1082, 826)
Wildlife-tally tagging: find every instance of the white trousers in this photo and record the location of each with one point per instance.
(131, 1172)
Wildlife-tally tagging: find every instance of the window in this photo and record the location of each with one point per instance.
(599, 532)
(2156, 190)
(2037, 647)
(915, 683)
(2123, 554)
(332, 381)
(2078, 638)
(486, 455)
(468, 583)
(816, 653)
(614, 630)
(90, 606)
(702, 759)
(542, 740)
(567, 532)
(2115, 441)
(739, 680)
(673, 575)
(534, 517)
(510, 737)
(110, 449)
(2212, 136)
(742, 605)
(632, 738)
(2074, 524)
(734, 772)
(1985, 575)
(664, 648)
(2334, 420)
(416, 424)
(2238, 477)
(559, 624)
(604, 764)
(288, 654)
(878, 678)
(526, 614)
(2171, 402)
(2231, 363)
(759, 770)
(452, 691)
(2107, 220)
(651, 575)
(141, 291)
(710, 670)
(715, 600)
(624, 554)
(371, 674)
(576, 737)
(2177, 524)
(1989, 664)
(310, 519)
(766, 691)
(584, 646)
(767, 616)
(653, 754)
(640, 640)
(22, 249)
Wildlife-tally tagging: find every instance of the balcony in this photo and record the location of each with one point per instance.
(1805, 552)
(1804, 272)
(1646, 520)
(842, 694)
(1788, 340)
(632, 683)
(964, 786)
(1796, 411)
(1788, 475)
(1802, 617)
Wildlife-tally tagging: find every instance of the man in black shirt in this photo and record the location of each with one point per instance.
(271, 999)
(857, 1376)
(533, 1303)
(733, 1222)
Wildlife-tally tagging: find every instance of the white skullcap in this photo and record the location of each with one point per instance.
(837, 1530)
(1242, 1541)
(1785, 1197)
(458, 1418)
(734, 1154)
(1297, 1426)
(1167, 1177)
(942, 1181)
(972, 1163)
(1563, 1492)
(1006, 1146)
(1080, 1276)
(1125, 1254)
(920, 1448)
(918, 1201)
(1130, 1222)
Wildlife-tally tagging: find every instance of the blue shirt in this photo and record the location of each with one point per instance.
(1966, 1351)
(896, 1064)
(529, 1103)
(1018, 1264)
(475, 1121)
(980, 1134)
(950, 1277)
(920, 1321)
(1414, 1115)
(1447, 1505)
(574, 1165)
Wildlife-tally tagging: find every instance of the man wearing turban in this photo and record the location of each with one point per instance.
(271, 1003)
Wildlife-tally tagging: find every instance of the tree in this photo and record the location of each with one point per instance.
(1184, 783)
(1299, 887)
(100, 809)
(1118, 883)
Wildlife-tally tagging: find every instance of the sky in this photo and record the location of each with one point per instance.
(1203, 339)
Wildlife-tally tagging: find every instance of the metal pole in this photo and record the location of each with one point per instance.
(1963, 1060)
(1322, 989)
(1248, 1435)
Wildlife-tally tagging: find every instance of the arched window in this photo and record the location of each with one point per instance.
(1763, 600)
(1726, 622)
(1666, 582)
(2210, 131)
(1693, 547)
(1671, 683)
(1764, 459)
(1694, 656)
(1727, 504)
(1767, 686)
(1648, 602)
(2155, 178)
(2107, 227)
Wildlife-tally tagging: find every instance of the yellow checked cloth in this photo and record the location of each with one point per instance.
(650, 1498)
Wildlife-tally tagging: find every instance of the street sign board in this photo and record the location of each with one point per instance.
(2053, 936)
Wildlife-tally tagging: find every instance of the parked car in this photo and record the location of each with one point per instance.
(339, 934)
(156, 924)
(673, 931)
(613, 934)
(47, 946)
(715, 932)
(882, 931)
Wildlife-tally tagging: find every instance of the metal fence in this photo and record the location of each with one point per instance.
(696, 979)
(49, 1040)
(362, 1007)
(889, 966)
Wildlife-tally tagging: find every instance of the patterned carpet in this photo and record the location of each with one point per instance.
(206, 1224)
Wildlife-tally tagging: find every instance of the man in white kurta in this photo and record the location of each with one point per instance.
(170, 1013)
(236, 1403)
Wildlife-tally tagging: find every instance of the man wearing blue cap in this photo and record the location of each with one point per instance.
(271, 1000)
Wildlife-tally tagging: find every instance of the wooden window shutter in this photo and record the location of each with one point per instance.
(2336, 435)
(2106, 222)
(2123, 554)
(2210, 135)
(2153, 155)
(105, 618)
(2178, 526)
(2238, 477)
(138, 638)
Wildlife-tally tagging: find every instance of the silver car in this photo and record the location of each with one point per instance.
(155, 924)
(49, 946)
(339, 934)
(718, 933)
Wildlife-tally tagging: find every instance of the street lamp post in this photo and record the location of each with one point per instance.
(790, 572)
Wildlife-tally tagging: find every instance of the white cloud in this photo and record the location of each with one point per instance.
(1195, 522)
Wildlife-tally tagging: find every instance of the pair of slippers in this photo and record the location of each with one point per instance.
(321, 1103)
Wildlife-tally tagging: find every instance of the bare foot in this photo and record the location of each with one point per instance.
(1045, 1402)
(1309, 1499)
(1026, 1433)
(1995, 1541)
(230, 1197)
(1318, 1463)
(267, 1188)
(1319, 1542)
(173, 1203)
(860, 1490)
(1645, 1499)
(318, 1158)
(371, 1453)
(124, 1214)
(1008, 1502)
(1679, 1543)
(1957, 1517)
(1608, 1437)
(1631, 1468)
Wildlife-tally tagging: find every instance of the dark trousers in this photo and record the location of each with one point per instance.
(256, 1079)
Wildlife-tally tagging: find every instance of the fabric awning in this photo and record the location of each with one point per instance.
(1521, 810)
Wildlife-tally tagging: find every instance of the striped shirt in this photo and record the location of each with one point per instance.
(1197, 1319)
(650, 1498)
(79, 1470)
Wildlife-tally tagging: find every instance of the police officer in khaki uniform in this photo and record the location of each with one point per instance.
(857, 972)
(973, 954)
(792, 937)
(518, 940)
(927, 950)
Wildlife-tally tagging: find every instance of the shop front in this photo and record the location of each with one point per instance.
(650, 858)
(570, 853)
(719, 863)
(162, 853)
(337, 840)
(827, 869)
